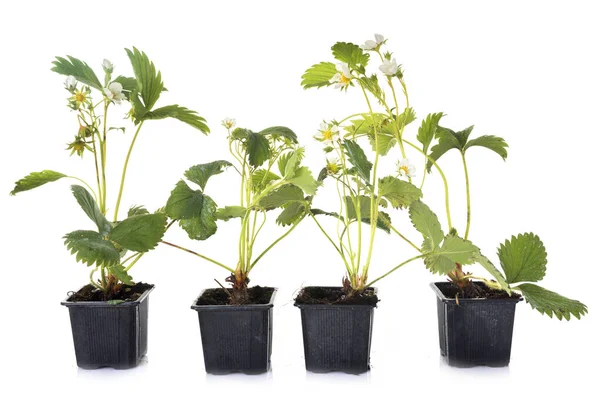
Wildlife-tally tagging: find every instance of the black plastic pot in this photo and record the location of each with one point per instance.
(337, 337)
(236, 338)
(108, 335)
(475, 331)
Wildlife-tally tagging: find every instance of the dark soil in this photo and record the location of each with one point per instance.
(125, 293)
(477, 290)
(220, 297)
(335, 295)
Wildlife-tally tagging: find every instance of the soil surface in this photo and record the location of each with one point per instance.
(335, 295)
(125, 293)
(478, 290)
(219, 297)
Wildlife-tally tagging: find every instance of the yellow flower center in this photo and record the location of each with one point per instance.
(327, 134)
(333, 168)
(344, 80)
(80, 97)
(404, 168)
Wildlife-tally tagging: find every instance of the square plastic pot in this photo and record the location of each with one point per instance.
(475, 331)
(106, 335)
(236, 338)
(337, 337)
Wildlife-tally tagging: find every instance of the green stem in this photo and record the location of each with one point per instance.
(404, 237)
(103, 278)
(134, 261)
(92, 279)
(125, 171)
(333, 244)
(103, 154)
(446, 192)
(280, 238)
(101, 202)
(199, 255)
(464, 160)
(395, 268)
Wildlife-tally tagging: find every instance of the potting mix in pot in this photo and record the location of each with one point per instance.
(109, 316)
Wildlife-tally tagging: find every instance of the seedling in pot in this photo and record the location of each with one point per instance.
(269, 164)
(115, 245)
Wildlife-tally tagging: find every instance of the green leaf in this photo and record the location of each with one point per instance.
(494, 143)
(364, 202)
(292, 213)
(489, 267)
(289, 162)
(385, 142)
(547, 302)
(280, 132)
(150, 84)
(36, 179)
(137, 210)
(407, 116)
(372, 85)
(201, 173)
(398, 192)
(119, 271)
(90, 248)
(428, 129)
(454, 250)
(358, 159)
(139, 111)
(140, 232)
(351, 54)
(194, 210)
(183, 114)
(446, 141)
(130, 85)
(281, 196)
(76, 68)
(258, 149)
(523, 258)
(318, 75)
(261, 178)
(89, 206)
(426, 222)
(240, 133)
(228, 212)
(305, 181)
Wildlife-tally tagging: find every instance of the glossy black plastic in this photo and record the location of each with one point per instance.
(337, 337)
(475, 331)
(106, 335)
(236, 338)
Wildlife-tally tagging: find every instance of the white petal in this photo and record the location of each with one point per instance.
(115, 87)
(323, 126)
(346, 71)
(379, 38)
(335, 129)
(336, 78)
(108, 93)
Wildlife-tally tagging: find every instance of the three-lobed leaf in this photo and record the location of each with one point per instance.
(550, 303)
(180, 113)
(426, 222)
(523, 258)
(89, 206)
(91, 248)
(399, 193)
(150, 84)
(194, 210)
(140, 233)
(36, 179)
(318, 75)
(76, 68)
(201, 173)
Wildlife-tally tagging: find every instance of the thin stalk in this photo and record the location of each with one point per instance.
(92, 279)
(333, 244)
(446, 193)
(199, 255)
(101, 202)
(103, 278)
(134, 261)
(280, 238)
(125, 171)
(405, 238)
(396, 267)
(464, 160)
(103, 155)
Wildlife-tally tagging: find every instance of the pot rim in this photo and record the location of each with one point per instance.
(445, 299)
(230, 307)
(133, 303)
(329, 306)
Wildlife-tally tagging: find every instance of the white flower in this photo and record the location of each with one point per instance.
(405, 168)
(327, 133)
(373, 44)
(114, 92)
(70, 83)
(390, 68)
(333, 165)
(228, 123)
(343, 77)
(107, 66)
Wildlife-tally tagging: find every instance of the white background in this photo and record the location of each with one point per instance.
(526, 71)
